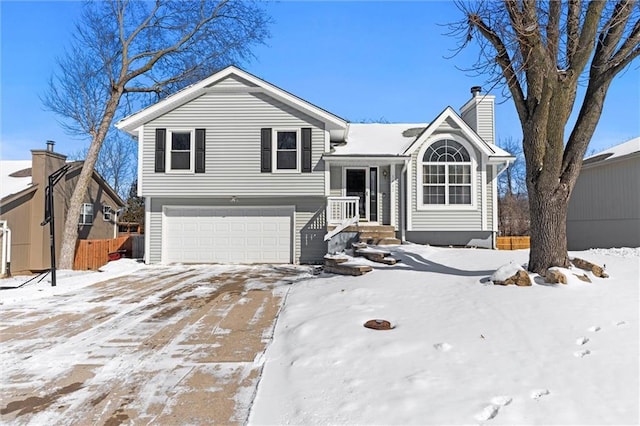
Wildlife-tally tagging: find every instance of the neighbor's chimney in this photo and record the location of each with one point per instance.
(50, 145)
(475, 91)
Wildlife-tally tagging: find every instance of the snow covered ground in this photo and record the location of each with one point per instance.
(463, 351)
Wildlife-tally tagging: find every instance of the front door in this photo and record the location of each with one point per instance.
(356, 186)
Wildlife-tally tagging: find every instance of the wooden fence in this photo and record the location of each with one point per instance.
(92, 254)
(512, 243)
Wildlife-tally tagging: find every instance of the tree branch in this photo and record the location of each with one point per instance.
(504, 61)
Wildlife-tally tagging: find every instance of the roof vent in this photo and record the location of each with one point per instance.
(50, 145)
(475, 90)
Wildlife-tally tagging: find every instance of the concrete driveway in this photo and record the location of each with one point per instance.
(164, 345)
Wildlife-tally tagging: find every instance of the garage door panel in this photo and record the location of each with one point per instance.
(214, 235)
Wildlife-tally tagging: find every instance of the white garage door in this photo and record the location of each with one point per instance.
(227, 235)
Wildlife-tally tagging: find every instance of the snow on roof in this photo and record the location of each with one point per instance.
(620, 150)
(379, 138)
(10, 184)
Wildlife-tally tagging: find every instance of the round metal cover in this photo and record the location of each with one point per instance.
(378, 324)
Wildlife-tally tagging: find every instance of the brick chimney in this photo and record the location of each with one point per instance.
(479, 114)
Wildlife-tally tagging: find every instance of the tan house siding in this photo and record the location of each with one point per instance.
(24, 213)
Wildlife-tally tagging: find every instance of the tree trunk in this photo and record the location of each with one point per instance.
(70, 233)
(548, 230)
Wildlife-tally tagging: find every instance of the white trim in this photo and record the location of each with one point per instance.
(274, 150)
(327, 167)
(81, 220)
(469, 134)
(109, 212)
(192, 150)
(494, 225)
(292, 223)
(180, 98)
(409, 196)
(483, 200)
(147, 230)
(420, 206)
(393, 190)
(140, 131)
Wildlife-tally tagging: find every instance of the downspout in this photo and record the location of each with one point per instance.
(494, 231)
(6, 250)
(403, 200)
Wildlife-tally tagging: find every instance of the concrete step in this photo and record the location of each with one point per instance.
(330, 260)
(346, 269)
(388, 242)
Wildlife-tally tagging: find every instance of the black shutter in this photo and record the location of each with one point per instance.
(161, 137)
(200, 142)
(265, 151)
(306, 150)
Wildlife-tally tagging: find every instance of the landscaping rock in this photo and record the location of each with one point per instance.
(583, 277)
(598, 271)
(521, 279)
(553, 276)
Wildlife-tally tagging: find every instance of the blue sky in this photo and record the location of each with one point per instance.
(359, 60)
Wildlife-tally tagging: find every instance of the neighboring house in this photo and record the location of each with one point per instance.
(235, 169)
(604, 209)
(22, 202)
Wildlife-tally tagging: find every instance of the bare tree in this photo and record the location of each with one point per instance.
(123, 48)
(540, 51)
(513, 205)
(117, 161)
(513, 180)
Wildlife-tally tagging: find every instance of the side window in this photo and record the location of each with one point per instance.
(86, 214)
(106, 213)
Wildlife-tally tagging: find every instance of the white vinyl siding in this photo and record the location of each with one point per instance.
(233, 119)
(604, 209)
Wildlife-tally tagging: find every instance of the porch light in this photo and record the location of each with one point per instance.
(233, 199)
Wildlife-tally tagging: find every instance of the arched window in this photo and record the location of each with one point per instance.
(446, 174)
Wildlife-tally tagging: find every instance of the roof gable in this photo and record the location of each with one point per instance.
(228, 79)
(449, 119)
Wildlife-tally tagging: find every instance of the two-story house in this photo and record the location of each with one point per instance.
(234, 169)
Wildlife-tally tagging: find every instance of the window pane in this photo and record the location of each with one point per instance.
(286, 160)
(459, 195)
(433, 174)
(180, 141)
(287, 140)
(433, 195)
(460, 174)
(180, 160)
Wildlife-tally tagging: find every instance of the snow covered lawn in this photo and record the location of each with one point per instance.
(463, 351)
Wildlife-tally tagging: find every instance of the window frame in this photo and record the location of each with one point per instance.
(274, 150)
(169, 150)
(107, 211)
(473, 175)
(83, 215)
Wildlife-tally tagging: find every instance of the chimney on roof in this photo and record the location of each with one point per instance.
(478, 113)
(50, 145)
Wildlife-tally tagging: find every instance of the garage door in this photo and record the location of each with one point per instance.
(227, 235)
